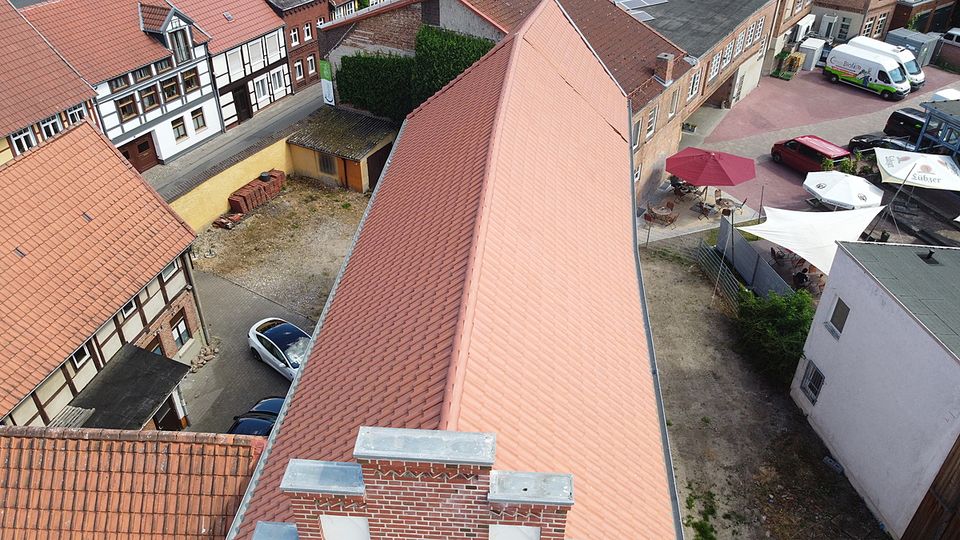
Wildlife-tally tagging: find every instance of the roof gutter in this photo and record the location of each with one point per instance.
(661, 413)
(234, 531)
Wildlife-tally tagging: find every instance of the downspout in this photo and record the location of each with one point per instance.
(188, 270)
(661, 413)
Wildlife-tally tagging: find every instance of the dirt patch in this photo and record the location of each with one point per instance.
(289, 250)
(747, 463)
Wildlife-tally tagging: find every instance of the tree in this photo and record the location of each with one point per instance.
(771, 331)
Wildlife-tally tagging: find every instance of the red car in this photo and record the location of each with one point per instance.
(807, 152)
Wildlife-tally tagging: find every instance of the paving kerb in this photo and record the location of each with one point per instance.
(233, 381)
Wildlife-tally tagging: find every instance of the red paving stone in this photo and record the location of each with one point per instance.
(778, 186)
(769, 107)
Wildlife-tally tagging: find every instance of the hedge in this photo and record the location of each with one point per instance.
(441, 56)
(392, 86)
(772, 330)
(380, 84)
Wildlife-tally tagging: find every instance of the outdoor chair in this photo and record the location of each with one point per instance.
(670, 205)
(717, 194)
(648, 217)
(726, 212)
(703, 211)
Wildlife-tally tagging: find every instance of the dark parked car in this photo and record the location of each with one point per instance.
(868, 142)
(906, 122)
(259, 420)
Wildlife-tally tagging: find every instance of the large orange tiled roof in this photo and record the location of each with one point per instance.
(250, 19)
(493, 287)
(37, 82)
(110, 484)
(102, 39)
(74, 274)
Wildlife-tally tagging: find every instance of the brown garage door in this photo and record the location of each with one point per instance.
(140, 152)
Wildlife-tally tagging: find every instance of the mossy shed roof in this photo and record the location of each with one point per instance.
(344, 133)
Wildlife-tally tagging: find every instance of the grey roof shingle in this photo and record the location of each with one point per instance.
(699, 25)
(344, 133)
(931, 292)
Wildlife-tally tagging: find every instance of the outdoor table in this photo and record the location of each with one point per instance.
(726, 204)
(661, 211)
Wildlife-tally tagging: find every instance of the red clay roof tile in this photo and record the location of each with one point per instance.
(250, 19)
(97, 54)
(74, 275)
(69, 483)
(35, 85)
(486, 293)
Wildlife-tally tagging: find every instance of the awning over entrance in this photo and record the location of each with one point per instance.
(128, 391)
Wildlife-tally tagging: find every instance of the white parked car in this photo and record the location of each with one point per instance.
(281, 345)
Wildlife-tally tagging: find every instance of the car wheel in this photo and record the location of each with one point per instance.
(886, 95)
(777, 158)
(834, 79)
(256, 355)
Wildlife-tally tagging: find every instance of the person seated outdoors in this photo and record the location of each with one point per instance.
(801, 278)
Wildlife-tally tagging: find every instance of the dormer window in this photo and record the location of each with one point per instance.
(119, 83)
(163, 65)
(142, 73)
(180, 43)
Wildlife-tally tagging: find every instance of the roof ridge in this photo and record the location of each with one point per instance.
(449, 412)
(52, 48)
(501, 44)
(484, 16)
(101, 434)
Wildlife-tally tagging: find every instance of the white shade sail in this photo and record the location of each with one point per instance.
(843, 190)
(921, 170)
(813, 235)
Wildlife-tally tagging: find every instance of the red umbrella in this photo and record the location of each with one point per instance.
(705, 168)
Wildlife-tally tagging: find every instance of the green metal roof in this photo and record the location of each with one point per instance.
(348, 134)
(928, 288)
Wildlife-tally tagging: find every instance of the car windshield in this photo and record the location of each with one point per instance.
(897, 75)
(912, 67)
(291, 340)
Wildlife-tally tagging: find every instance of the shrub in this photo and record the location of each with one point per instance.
(848, 166)
(441, 56)
(827, 164)
(377, 83)
(771, 331)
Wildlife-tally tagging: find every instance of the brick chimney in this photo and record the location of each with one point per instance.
(663, 68)
(415, 484)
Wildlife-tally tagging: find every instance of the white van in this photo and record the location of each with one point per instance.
(902, 55)
(868, 70)
(947, 94)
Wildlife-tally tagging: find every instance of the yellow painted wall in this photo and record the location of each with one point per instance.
(208, 201)
(304, 161)
(6, 154)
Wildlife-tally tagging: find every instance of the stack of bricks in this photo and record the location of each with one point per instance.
(256, 193)
(419, 484)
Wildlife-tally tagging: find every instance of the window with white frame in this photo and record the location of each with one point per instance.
(674, 101)
(838, 319)
(787, 10)
(868, 26)
(844, 28)
(260, 88)
(255, 50)
(307, 32)
(128, 309)
(652, 121)
(635, 132)
(235, 63)
(320, 21)
(273, 47)
(727, 55)
(170, 270)
(798, 6)
(181, 334)
(311, 65)
(76, 114)
(276, 78)
(294, 36)
(714, 66)
(759, 32)
(812, 382)
(23, 140)
(738, 48)
(180, 43)
(298, 69)
(51, 126)
(751, 30)
(881, 23)
(694, 85)
(80, 357)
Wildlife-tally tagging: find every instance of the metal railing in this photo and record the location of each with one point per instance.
(726, 285)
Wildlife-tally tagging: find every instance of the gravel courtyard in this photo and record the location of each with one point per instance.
(289, 250)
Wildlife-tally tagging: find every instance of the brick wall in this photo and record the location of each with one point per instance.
(297, 18)
(416, 500)
(396, 29)
(162, 326)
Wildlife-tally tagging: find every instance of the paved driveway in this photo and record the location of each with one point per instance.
(808, 104)
(231, 383)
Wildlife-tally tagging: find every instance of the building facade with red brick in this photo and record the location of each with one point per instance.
(851, 18)
(110, 268)
(302, 20)
(924, 15)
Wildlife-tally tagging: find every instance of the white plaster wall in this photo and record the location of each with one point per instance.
(749, 71)
(166, 143)
(889, 407)
(459, 18)
(177, 282)
(856, 20)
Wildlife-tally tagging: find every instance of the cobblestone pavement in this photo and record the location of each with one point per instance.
(808, 104)
(233, 381)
